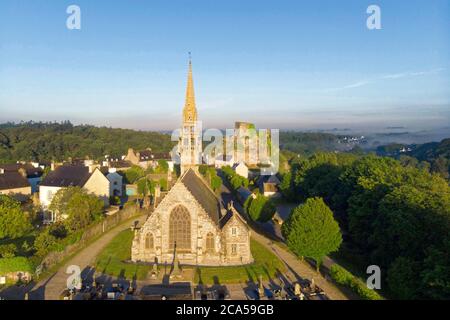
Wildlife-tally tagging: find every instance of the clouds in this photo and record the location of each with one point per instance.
(393, 76)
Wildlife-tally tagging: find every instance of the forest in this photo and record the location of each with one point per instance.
(39, 141)
(394, 215)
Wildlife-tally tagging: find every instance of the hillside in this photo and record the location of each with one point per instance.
(32, 141)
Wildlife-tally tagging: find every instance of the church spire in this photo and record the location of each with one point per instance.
(190, 111)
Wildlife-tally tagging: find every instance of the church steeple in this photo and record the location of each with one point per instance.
(190, 111)
(190, 146)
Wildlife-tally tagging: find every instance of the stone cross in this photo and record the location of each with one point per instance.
(261, 287)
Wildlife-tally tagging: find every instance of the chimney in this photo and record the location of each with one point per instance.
(52, 166)
(2, 171)
(92, 168)
(112, 170)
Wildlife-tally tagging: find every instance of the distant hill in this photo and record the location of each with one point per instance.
(423, 152)
(431, 151)
(38, 141)
(437, 154)
(308, 143)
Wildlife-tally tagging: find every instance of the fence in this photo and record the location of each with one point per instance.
(53, 258)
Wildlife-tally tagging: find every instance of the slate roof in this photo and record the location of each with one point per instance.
(12, 180)
(67, 176)
(31, 171)
(162, 156)
(268, 179)
(207, 199)
(146, 155)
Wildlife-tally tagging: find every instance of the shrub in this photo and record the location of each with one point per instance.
(114, 200)
(8, 251)
(345, 278)
(260, 209)
(163, 184)
(44, 243)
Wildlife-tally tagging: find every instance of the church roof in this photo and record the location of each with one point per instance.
(204, 196)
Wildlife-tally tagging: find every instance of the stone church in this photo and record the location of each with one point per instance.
(191, 221)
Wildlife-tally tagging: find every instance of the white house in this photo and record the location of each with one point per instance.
(115, 183)
(241, 169)
(93, 180)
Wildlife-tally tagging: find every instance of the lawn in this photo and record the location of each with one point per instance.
(266, 265)
(111, 259)
(111, 262)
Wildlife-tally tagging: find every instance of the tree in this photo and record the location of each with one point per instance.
(311, 230)
(44, 243)
(163, 166)
(80, 208)
(261, 209)
(402, 278)
(145, 187)
(14, 223)
(134, 173)
(441, 166)
(163, 184)
(8, 251)
(216, 183)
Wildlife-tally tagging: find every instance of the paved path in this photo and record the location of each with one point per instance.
(51, 288)
(301, 269)
(296, 267)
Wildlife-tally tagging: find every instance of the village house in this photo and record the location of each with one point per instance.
(32, 171)
(89, 178)
(241, 169)
(115, 183)
(15, 184)
(268, 186)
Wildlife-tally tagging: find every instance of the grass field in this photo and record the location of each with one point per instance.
(111, 262)
(266, 265)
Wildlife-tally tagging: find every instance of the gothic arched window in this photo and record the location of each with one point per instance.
(210, 243)
(149, 241)
(180, 229)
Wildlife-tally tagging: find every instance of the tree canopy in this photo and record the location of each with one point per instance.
(79, 207)
(311, 230)
(14, 223)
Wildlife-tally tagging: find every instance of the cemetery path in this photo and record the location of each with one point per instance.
(301, 269)
(52, 287)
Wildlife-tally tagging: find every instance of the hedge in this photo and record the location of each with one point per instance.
(345, 278)
(15, 264)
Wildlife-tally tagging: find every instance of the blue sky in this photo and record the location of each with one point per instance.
(280, 64)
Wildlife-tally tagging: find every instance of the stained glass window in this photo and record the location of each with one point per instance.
(149, 241)
(180, 229)
(210, 243)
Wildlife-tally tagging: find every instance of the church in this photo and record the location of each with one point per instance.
(191, 222)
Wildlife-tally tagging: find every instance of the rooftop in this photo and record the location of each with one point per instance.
(67, 176)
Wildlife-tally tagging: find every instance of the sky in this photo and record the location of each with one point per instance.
(280, 64)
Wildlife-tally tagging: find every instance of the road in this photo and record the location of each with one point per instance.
(51, 288)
